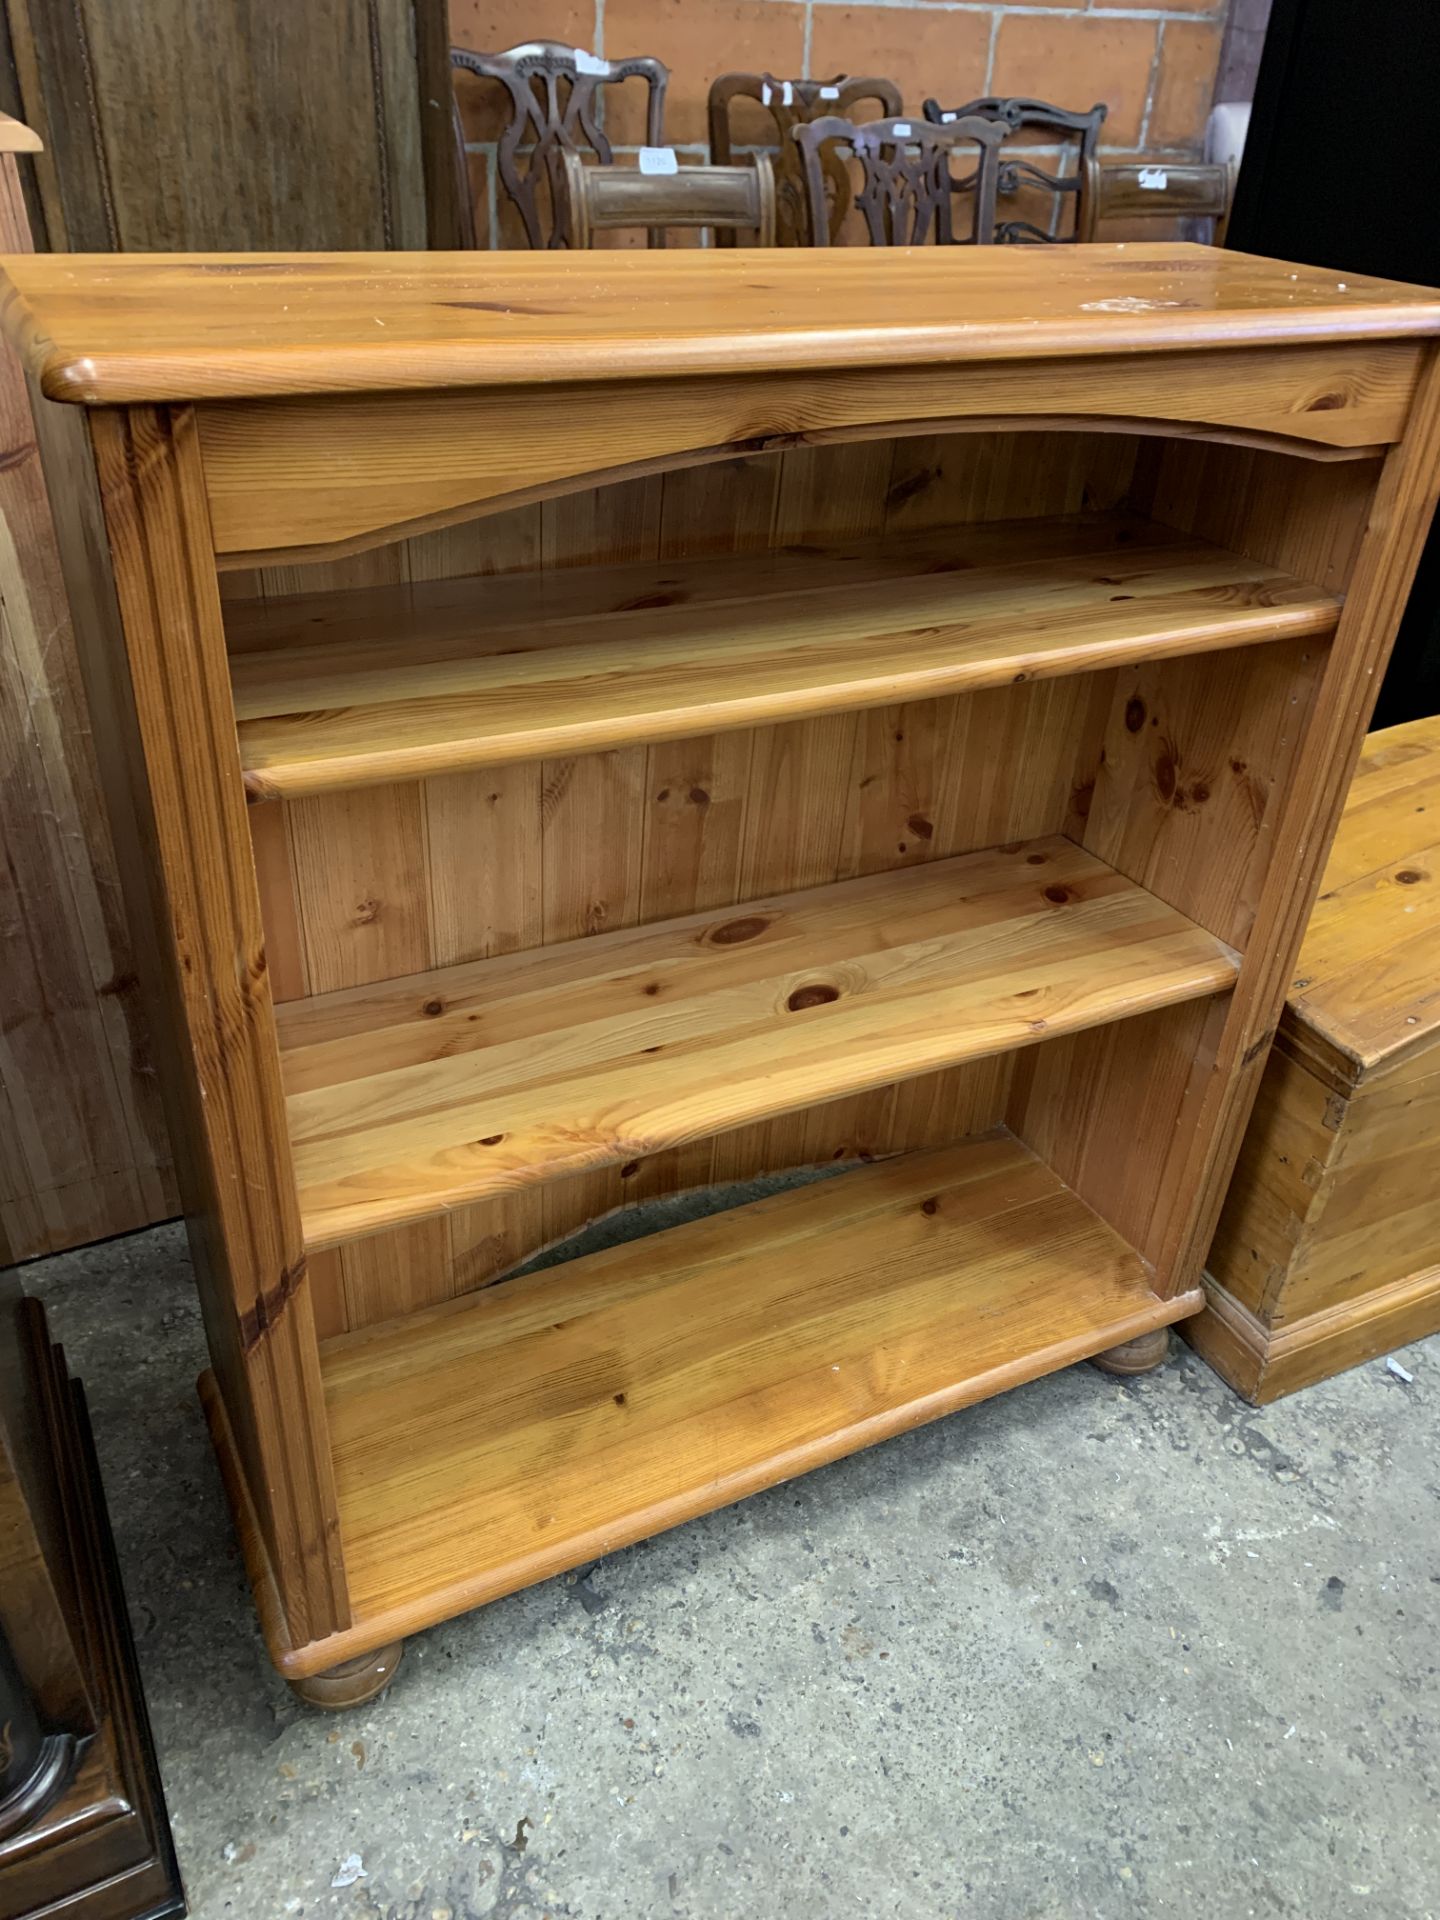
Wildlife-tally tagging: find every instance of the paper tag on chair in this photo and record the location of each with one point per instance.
(901, 130)
(829, 93)
(1154, 179)
(658, 160)
(766, 93)
(946, 118)
(590, 62)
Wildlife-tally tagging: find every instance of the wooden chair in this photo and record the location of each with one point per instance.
(726, 199)
(1067, 126)
(907, 190)
(792, 103)
(1157, 190)
(552, 91)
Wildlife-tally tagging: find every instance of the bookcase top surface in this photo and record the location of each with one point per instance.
(103, 329)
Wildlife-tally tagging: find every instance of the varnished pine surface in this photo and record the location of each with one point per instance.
(1366, 991)
(101, 329)
(370, 686)
(413, 1096)
(486, 1445)
(16, 137)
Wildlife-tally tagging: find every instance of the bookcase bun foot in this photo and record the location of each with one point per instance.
(1141, 1355)
(354, 1683)
(855, 739)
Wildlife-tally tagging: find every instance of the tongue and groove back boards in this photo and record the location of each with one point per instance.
(373, 883)
(362, 885)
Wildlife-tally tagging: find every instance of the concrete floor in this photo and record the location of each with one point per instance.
(1089, 1649)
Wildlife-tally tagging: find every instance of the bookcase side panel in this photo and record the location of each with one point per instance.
(175, 784)
(1315, 732)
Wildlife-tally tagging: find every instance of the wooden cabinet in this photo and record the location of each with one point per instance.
(601, 728)
(1328, 1250)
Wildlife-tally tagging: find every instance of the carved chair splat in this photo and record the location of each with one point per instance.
(793, 103)
(553, 93)
(907, 190)
(1066, 124)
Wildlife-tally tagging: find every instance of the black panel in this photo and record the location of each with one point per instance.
(1342, 169)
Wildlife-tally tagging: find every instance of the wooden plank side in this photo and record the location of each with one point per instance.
(175, 778)
(82, 1138)
(1399, 520)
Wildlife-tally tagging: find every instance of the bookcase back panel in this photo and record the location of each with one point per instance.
(1195, 760)
(1154, 769)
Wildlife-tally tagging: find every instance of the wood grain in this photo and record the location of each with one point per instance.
(1264, 1364)
(673, 650)
(330, 475)
(428, 1092)
(175, 127)
(638, 1387)
(1366, 992)
(980, 770)
(102, 330)
(1327, 1246)
(83, 1151)
(1400, 517)
(174, 779)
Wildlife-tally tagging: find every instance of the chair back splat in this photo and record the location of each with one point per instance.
(552, 90)
(789, 104)
(907, 189)
(1066, 126)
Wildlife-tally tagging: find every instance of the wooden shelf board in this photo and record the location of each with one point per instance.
(412, 1096)
(528, 1428)
(369, 685)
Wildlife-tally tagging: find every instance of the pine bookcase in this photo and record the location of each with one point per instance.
(588, 729)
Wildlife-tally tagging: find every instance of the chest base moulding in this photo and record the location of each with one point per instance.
(593, 731)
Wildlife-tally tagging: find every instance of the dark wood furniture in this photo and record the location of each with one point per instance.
(169, 125)
(83, 1149)
(1017, 176)
(1156, 190)
(721, 199)
(907, 189)
(83, 1830)
(165, 125)
(552, 92)
(927, 774)
(789, 104)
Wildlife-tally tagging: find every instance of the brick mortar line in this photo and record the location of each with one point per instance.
(1072, 12)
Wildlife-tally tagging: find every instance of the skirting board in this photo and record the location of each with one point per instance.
(1265, 1364)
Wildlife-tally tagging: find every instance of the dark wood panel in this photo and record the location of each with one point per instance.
(176, 126)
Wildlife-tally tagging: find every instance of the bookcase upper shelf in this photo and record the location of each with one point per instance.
(366, 685)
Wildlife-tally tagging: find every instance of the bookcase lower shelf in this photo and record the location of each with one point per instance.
(523, 1430)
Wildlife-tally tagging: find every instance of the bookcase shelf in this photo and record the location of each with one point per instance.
(880, 712)
(381, 684)
(426, 1093)
(538, 1425)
